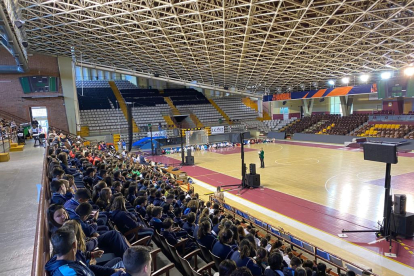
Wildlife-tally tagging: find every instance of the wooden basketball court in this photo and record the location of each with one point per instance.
(325, 187)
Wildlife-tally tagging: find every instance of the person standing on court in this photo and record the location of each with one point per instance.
(261, 157)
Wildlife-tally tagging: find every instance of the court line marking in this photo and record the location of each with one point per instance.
(352, 248)
(295, 161)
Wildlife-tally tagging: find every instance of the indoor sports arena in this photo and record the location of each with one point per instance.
(207, 137)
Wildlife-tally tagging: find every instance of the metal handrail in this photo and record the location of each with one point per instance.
(268, 228)
(41, 251)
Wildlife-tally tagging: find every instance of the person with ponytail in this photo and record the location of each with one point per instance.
(224, 248)
(204, 236)
(242, 258)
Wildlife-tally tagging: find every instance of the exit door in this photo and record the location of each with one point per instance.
(39, 113)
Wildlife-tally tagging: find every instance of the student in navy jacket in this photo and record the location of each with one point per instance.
(172, 238)
(58, 190)
(82, 195)
(137, 261)
(156, 221)
(224, 247)
(204, 235)
(64, 263)
(125, 221)
(241, 257)
(275, 265)
(151, 196)
(158, 201)
(140, 203)
(189, 225)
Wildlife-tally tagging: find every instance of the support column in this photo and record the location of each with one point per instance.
(346, 104)
(260, 107)
(307, 105)
(67, 70)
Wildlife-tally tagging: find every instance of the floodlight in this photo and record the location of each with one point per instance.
(409, 71)
(385, 75)
(364, 77)
(345, 80)
(331, 82)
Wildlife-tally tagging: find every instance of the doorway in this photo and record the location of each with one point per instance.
(285, 112)
(39, 113)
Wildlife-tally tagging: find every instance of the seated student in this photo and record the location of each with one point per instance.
(137, 261)
(158, 201)
(57, 173)
(116, 186)
(215, 225)
(177, 217)
(242, 271)
(86, 253)
(82, 195)
(97, 190)
(125, 221)
(241, 257)
(262, 258)
(156, 221)
(58, 190)
(132, 191)
(295, 262)
(204, 236)
(140, 204)
(64, 262)
(224, 247)
(189, 225)
(275, 265)
(226, 267)
(89, 177)
(172, 238)
(167, 210)
(104, 200)
(81, 214)
(56, 216)
(100, 177)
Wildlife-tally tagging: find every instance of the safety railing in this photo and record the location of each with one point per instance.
(293, 241)
(41, 251)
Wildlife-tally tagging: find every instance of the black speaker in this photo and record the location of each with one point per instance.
(403, 224)
(189, 160)
(252, 168)
(400, 202)
(188, 152)
(385, 153)
(253, 180)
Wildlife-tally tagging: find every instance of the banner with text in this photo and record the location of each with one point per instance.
(217, 130)
(157, 134)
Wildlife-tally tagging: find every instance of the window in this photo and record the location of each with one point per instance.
(335, 105)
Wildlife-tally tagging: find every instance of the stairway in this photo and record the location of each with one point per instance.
(116, 138)
(122, 105)
(253, 105)
(213, 103)
(16, 147)
(196, 121)
(175, 111)
(170, 123)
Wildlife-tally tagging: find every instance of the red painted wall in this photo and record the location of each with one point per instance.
(11, 91)
(397, 106)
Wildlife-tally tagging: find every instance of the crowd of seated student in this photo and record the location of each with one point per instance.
(92, 196)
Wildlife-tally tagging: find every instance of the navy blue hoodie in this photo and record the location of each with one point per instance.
(67, 268)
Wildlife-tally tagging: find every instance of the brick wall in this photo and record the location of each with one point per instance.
(11, 92)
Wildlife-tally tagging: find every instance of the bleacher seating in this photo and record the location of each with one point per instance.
(235, 109)
(278, 124)
(337, 125)
(301, 125)
(92, 84)
(386, 130)
(185, 96)
(206, 113)
(103, 121)
(95, 98)
(145, 115)
(124, 84)
(142, 97)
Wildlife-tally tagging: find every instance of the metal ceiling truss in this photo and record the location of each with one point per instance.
(246, 45)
